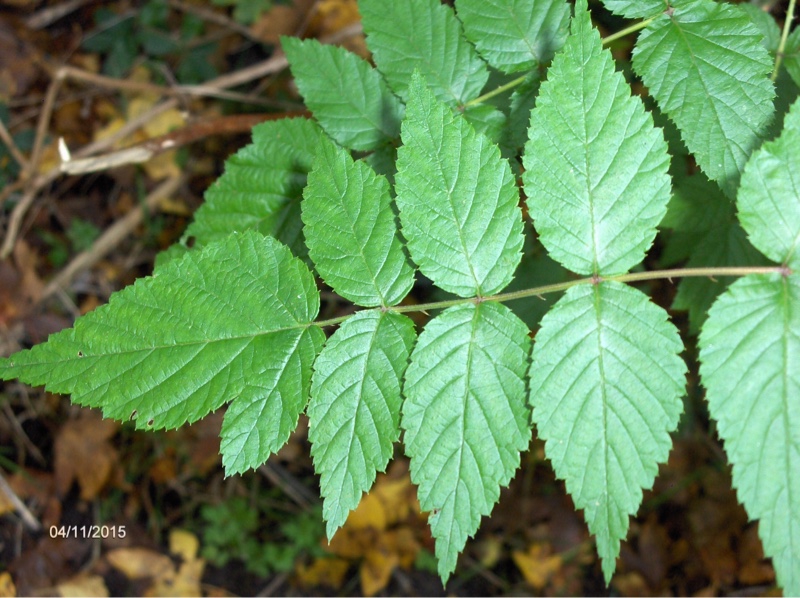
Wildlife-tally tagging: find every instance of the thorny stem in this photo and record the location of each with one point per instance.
(787, 25)
(563, 286)
(512, 84)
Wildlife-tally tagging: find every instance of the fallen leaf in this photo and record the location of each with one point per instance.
(83, 453)
(280, 20)
(328, 571)
(537, 565)
(7, 587)
(83, 585)
(386, 531)
(137, 563)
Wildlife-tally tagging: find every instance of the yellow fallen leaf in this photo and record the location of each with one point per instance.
(137, 563)
(83, 585)
(7, 587)
(537, 565)
(324, 571)
(183, 544)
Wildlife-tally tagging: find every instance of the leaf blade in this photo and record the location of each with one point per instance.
(596, 167)
(709, 73)
(605, 425)
(464, 442)
(769, 208)
(515, 35)
(750, 359)
(351, 231)
(262, 186)
(347, 96)
(354, 413)
(425, 35)
(458, 202)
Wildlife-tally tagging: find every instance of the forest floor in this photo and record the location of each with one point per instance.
(93, 507)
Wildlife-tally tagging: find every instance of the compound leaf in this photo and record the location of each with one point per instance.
(423, 35)
(457, 198)
(596, 167)
(354, 412)
(227, 323)
(606, 387)
(769, 197)
(465, 418)
(262, 186)
(707, 69)
(515, 35)
(750, 364)
(348, 97)
(351, 231)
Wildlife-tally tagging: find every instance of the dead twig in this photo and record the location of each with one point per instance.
(142, 152)
(27, 517)
(12, 147)
(40, 182)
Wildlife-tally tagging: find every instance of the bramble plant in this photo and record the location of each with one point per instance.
(414, 166)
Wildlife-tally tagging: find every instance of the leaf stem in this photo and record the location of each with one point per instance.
(512, 84)
(627, 31)
(495, 92)
(563, 286)
(787, 25)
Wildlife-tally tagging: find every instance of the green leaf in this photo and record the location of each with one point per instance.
(708, 71)
(457, 198)
(636, 9)
(515, 35)
(766, 24)
(354, 412)
(227, 323)
(769, 197)
(522, 102)
(606, 387)
(596, 167)
(750, 364)
(347, 96)
(465, 418)
(792, 56)
(351, 231)
(262, 186)
(425, 35)
(707, 232)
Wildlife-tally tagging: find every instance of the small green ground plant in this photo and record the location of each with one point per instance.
(435, 162)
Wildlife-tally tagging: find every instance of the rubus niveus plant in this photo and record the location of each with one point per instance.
(420, 164)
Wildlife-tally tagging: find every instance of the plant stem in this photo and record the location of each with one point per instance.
(784, 36)
(627, 31)
(563, 286)
(512, 84)
(496, 91)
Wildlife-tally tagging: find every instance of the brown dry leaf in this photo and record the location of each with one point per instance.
(754, 570)
(332, 16)
(7, 587)
(17, 63)
(83, 453)
(281, 20)
(537, 565)
(83, 585)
